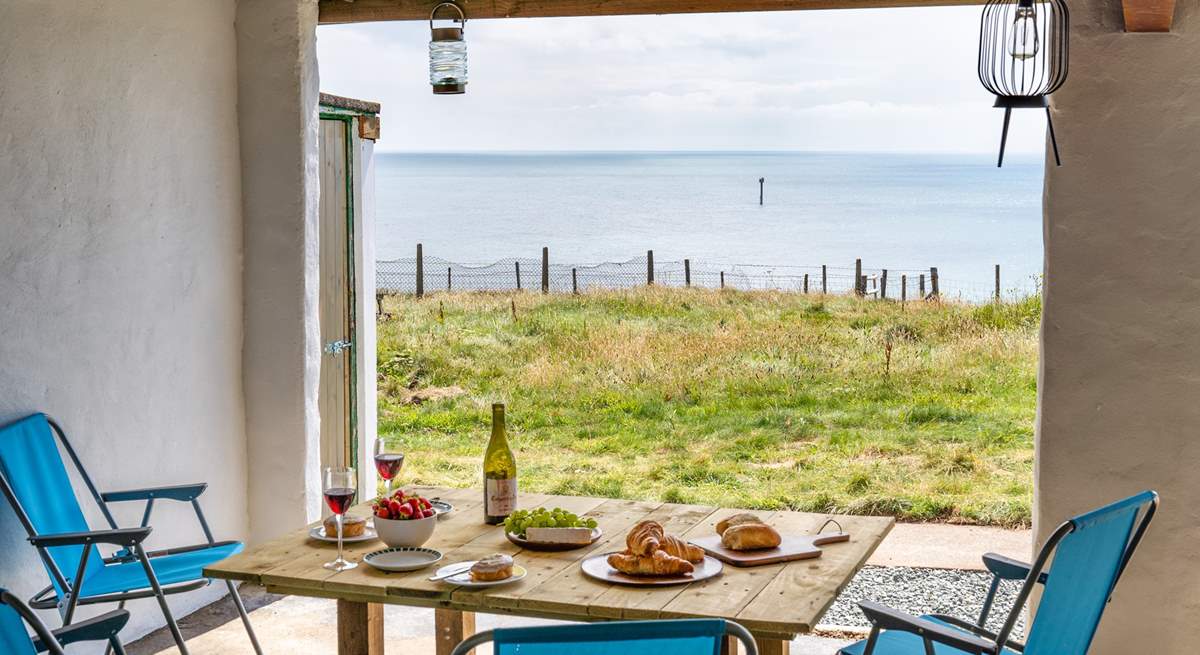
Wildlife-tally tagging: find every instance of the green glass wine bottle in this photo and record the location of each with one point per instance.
(499, 473)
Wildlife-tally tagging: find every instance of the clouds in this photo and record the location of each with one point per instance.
(863, 80)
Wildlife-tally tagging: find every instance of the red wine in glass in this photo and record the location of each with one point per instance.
(388, 464)
(340, 499)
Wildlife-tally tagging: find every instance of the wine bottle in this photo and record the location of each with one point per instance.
(499, 473)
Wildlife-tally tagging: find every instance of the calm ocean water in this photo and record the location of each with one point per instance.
(897, 211)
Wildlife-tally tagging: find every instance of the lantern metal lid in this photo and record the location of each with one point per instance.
(448, 53)
(1023, 56)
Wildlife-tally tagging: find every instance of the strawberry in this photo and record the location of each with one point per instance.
(394, 507)
(405, 512)
(382, 512)
(425, 504)
(427, 514)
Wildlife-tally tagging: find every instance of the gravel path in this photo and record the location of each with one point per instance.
(923, 591)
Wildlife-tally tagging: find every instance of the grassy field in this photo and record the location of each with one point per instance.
(750, 399)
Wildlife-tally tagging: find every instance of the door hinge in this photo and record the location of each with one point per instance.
(336, 347)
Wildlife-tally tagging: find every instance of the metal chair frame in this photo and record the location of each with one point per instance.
(982, 641)
(732, 629)
(130, 539)
(103, 627)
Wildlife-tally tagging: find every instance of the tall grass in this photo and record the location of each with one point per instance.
(748, 399)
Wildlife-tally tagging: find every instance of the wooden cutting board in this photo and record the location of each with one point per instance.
(794, 547)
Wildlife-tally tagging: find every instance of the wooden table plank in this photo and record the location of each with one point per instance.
(776, 602)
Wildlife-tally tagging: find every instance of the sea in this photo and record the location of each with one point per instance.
(903, 212)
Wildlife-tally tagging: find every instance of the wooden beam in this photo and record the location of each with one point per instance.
(1148, 15)
(365, 11)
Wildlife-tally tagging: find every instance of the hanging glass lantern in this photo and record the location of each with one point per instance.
(448, 53)
(1023, 56)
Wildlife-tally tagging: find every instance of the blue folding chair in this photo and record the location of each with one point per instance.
(676, 637)
(16, 640)
(34, 479)
(1089, 553)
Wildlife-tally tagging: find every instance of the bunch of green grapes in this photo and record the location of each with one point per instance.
(522, 519)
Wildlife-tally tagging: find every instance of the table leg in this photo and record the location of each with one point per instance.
(729, 646)
(772, 646)
(452, 627)
(360, 628)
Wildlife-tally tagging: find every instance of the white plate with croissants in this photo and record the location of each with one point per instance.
(652, 558)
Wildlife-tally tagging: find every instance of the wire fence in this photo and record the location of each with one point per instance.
(424, 274)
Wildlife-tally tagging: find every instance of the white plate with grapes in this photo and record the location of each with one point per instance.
(551, 530)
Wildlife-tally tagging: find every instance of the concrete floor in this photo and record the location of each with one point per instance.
(294, 625)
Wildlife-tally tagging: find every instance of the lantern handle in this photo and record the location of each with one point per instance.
(462, 18)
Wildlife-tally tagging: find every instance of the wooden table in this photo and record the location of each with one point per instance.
(775, 602)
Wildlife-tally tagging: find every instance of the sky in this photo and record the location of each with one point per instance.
(866, 80)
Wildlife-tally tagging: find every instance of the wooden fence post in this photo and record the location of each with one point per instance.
(420, 272)
(518, 265)
(903, 289)
(574, 283)
(545, 270)
(824, 280)
(687, 272)
(761, 182)
(806, 283)
(933, 282)
(921, 287)
(378, 304)
(649, 267)
(997, 283)
(449, 278)
(883, 285)
(722, 279)
(860, 286)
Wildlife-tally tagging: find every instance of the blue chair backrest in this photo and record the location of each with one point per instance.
(1085, 568)
(33, 471)
(682, 637)
(14, 637)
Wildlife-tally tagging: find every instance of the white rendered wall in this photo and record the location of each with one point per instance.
(364, 319)
(1119, 406)
(120, 256)
(278, 119)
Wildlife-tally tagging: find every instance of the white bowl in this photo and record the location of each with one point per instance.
(411, 532)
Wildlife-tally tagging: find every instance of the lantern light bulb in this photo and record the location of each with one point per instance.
(1024, 42)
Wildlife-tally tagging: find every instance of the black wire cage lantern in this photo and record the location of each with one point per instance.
(1023, 57)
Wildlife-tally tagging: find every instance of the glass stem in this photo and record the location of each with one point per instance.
(339, 524)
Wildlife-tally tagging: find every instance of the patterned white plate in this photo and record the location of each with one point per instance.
(405, 558)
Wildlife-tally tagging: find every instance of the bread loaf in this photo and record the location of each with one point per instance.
(736, 519)
(750, 536)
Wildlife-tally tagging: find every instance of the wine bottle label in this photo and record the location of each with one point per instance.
(501, 497)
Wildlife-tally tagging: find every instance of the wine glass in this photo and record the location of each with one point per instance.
(388, 462)
(341, 486)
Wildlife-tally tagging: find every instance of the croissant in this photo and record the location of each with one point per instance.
(677, 547)
(660, 563)
(644, 538)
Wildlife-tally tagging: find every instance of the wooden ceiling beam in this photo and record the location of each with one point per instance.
(365, 11)
(1148, 15)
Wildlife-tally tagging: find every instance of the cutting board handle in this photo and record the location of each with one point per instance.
(830, 538)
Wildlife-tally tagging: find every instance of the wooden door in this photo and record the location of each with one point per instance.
(336, 396)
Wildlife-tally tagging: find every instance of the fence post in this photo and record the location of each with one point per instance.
(649, 267)
(806, 283)
(449, 278)
(997, 283)
(903, 289)
(883, 285)
(860, 286)
(722, 279)
(545, 270)
(687, 272)
(824, 280)
(574, 283)
(933, 282)
(378, 304)
(761, 181)
(518, 265)
(420, 272)
(921, 288)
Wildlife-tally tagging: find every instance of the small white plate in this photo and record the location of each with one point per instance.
(464, 578)
(441, 507)
(318, 532)
(403, 559)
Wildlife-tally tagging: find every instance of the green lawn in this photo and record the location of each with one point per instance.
(748, 399)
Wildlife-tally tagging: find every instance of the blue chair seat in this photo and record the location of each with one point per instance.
(895, 642)
(169, 569)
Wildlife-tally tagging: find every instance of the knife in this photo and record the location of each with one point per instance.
(452, 570)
